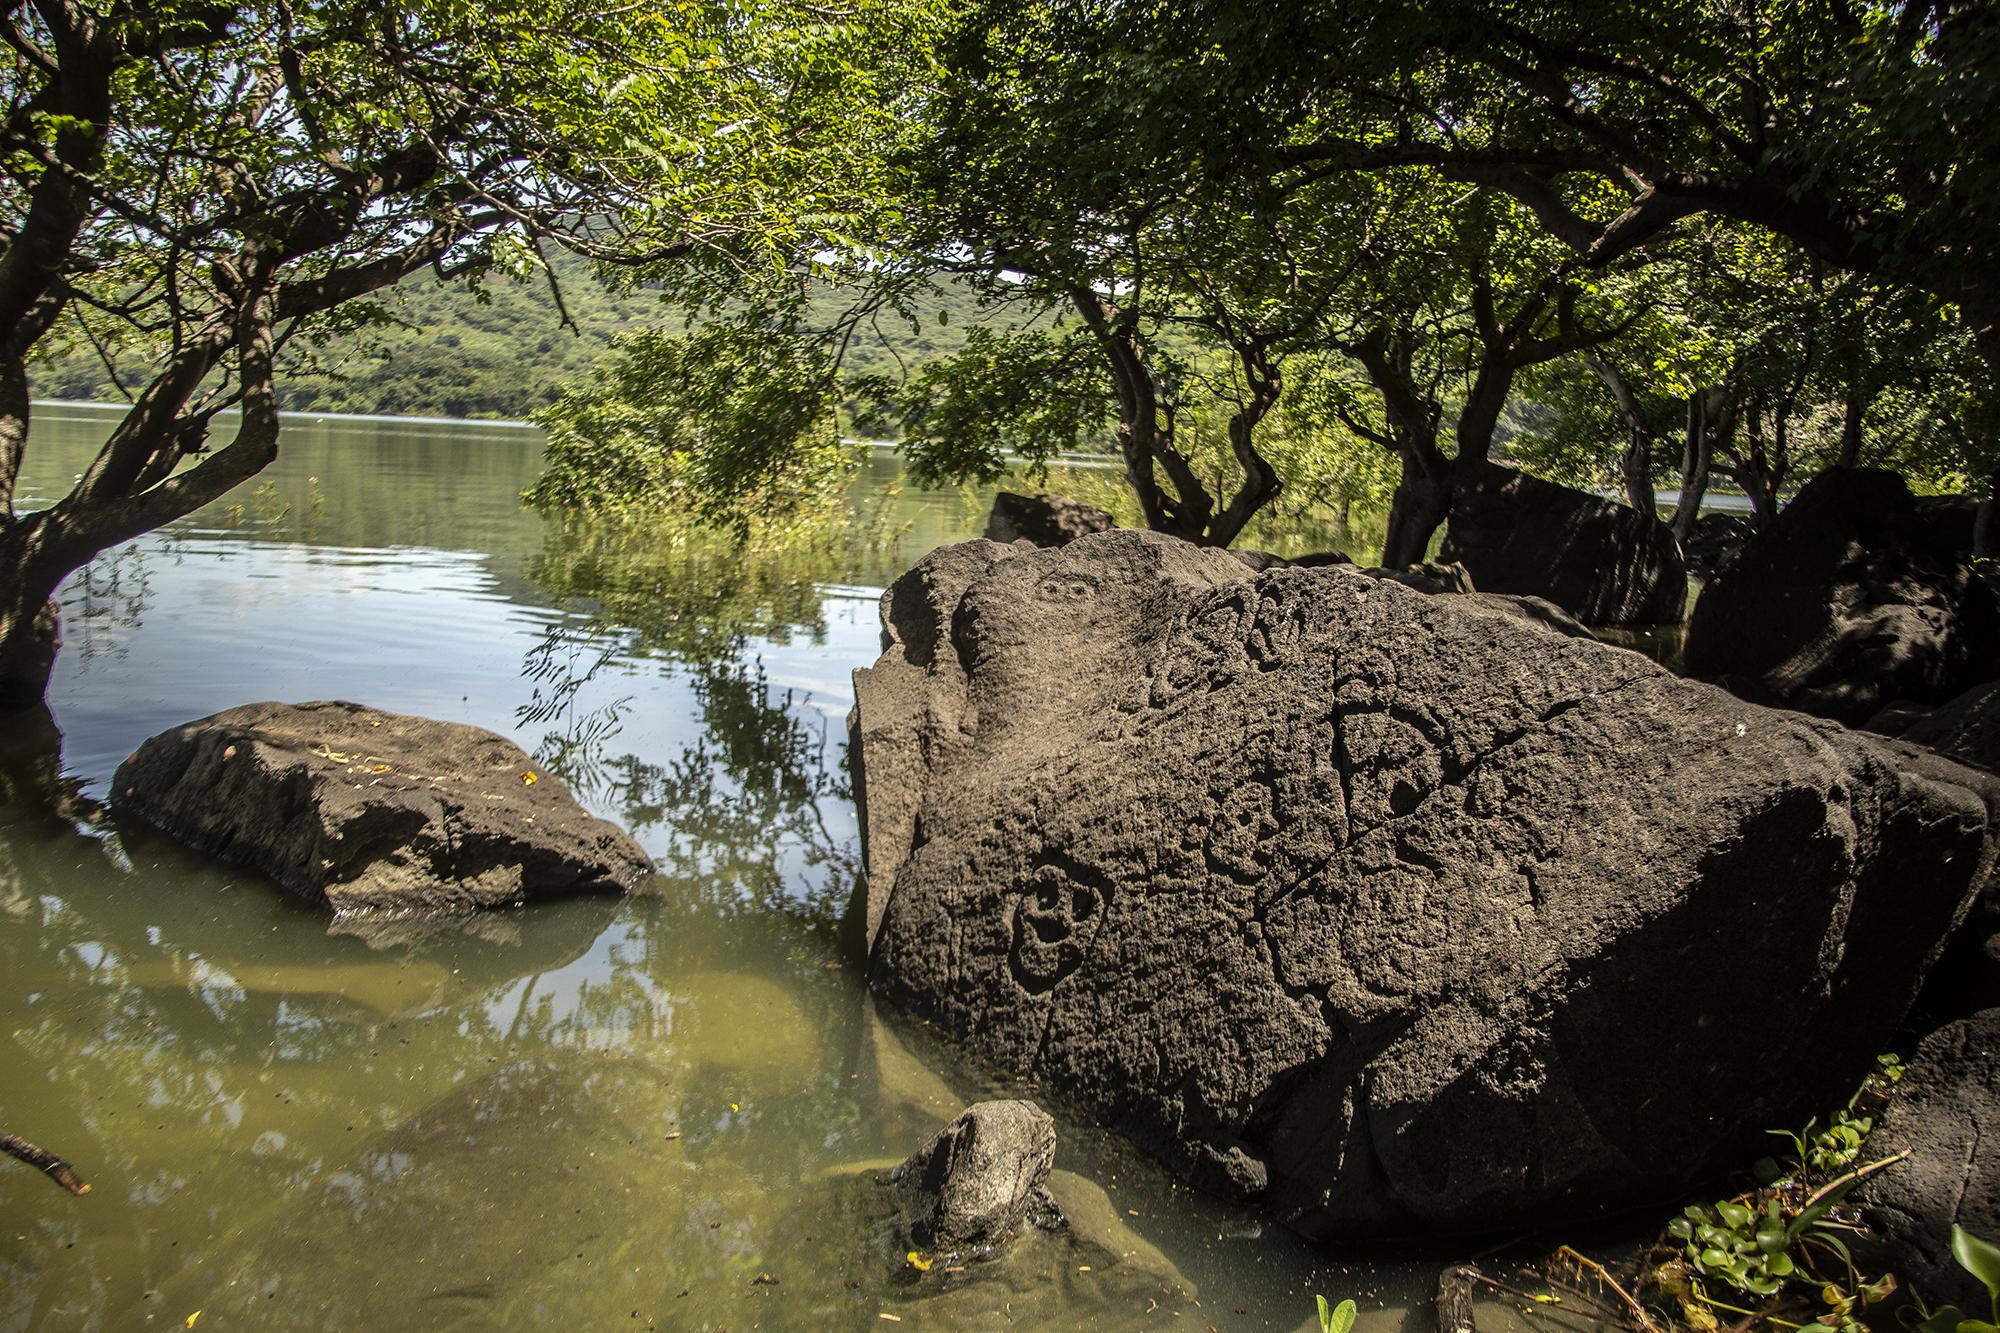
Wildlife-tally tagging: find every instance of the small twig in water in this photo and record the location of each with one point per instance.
(50, 1165)
(1597, 1270)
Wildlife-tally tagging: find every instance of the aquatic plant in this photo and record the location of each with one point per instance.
(1337, 1318)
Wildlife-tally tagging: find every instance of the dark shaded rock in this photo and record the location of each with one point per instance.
(1260, 561)
(1604, 563)
(1045, 520)
(1966, 728)
(1850, 600)
(1947, 1114)
(1442, 580)
(352, 808)
(1714, 543)
(1952, 518)
(1363, 900)
(1430, 578)
(978, 1177)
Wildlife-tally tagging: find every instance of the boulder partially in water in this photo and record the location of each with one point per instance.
(1045, 520)
(1392, 910)
(1855, 597)
(355, 809)
(1604, 563)
(978, 1178)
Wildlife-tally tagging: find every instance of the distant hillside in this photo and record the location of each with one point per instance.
(455, 354)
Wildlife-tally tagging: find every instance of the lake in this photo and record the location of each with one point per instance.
(673, 1111)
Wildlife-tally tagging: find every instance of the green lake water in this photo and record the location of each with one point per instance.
(673, 1111)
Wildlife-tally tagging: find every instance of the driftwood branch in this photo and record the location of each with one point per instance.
(50, 1165)
(1454, 1300)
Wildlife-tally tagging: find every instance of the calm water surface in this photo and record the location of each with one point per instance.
(668, 1112)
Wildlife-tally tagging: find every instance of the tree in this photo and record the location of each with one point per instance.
(207, 188)
(1863, 134)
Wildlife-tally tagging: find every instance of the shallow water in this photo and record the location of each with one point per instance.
(668, 1112)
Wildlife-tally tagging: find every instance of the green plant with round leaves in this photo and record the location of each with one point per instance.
(1335, 1318)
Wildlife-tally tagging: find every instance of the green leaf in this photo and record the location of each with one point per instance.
(1977, 1256)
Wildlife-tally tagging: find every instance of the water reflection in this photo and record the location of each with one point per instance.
(424, 1125)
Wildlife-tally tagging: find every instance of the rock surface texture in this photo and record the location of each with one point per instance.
(355, 809)
(1948, 1115)
(1966, 728)
(1396, 912)
(978, 1177)
(1854, 598)
(1604, 563)
(1045, 520)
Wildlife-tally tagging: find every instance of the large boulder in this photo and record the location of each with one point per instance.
(1716, 539)
(1045, 520)
(1393, 910)
(356, 809)
(1947, 1114)
(1853, 598)
(976, 1179)
(1604, 563)
(1966, 728)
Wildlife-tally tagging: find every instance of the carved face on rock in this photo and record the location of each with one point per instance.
(1313, 882)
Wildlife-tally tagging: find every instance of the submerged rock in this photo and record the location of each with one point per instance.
(355, 809)
(1391, 910)
(1045, 520)
(978, 1177)
(1853, 598)
(1604, 563)
(1947, 1114)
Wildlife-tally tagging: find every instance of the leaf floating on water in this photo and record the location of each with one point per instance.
(191, 1318)
(918, 1262)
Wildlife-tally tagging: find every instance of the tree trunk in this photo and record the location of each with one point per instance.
(1694, 466)
(1636, 463)
(28, 644)
(1421, 504)
(1851, 422)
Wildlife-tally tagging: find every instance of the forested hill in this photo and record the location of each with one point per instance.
(498, 355)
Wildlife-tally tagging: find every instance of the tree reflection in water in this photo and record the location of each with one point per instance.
(740, 810)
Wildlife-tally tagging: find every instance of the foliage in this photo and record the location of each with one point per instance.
(728, 423)
(203, 193)
(1782, 1243)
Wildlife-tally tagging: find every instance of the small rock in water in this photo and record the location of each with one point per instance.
(979, 1176)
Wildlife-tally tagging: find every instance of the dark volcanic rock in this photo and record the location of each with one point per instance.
(1966, 728)
(1714, 543)
(1851, 600)
(1947, 1113)
(352, 808)
(978, 1176)
(1402, 913)
(1604, 563)
(1045, 520)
